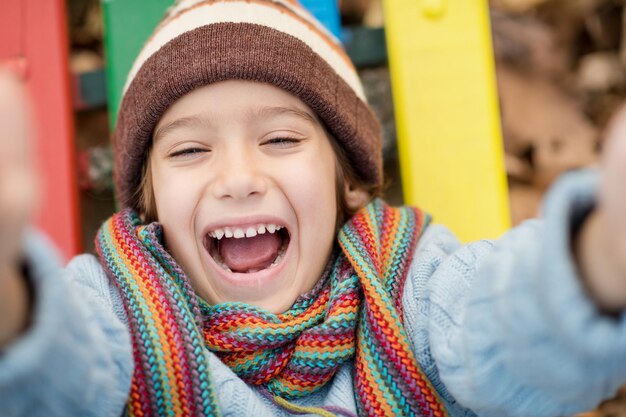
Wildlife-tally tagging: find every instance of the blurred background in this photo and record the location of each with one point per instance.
(561, 73)
(560, 68)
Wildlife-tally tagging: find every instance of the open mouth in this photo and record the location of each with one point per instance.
(247, 249)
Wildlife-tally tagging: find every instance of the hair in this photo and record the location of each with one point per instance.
(144, 195)
(345, 173)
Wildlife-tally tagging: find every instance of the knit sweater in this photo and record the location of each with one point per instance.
(501, 328)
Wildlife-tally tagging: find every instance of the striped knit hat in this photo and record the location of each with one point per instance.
(272, 41)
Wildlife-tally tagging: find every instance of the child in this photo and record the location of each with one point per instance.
(252, 271)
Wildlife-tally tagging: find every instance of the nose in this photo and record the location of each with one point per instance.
(238, 176)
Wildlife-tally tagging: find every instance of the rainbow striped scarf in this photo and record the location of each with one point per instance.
(353, 314)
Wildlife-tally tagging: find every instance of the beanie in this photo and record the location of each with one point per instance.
(278, 42)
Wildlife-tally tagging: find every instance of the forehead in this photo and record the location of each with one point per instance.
(236, 99)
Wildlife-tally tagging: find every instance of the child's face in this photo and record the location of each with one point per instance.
(239, 157)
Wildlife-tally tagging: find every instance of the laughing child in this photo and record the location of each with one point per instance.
(253, 271)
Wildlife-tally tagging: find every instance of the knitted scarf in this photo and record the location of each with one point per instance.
(353, 314)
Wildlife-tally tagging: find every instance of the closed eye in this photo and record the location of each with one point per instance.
(187, 152)
(284, 142)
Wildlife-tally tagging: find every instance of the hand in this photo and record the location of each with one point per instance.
(17, 176)
(18, 192)
(601, 246)
(613, 190)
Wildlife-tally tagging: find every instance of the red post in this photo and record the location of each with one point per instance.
(35, 32)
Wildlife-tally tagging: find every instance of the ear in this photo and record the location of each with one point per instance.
(356, 197)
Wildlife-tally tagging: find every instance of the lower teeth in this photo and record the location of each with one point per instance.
(281, 255)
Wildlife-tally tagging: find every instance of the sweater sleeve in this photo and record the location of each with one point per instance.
(505, 328)
(75, 359)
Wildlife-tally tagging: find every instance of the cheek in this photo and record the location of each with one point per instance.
(174, 197)
(313, 193)
(172, 192)
(175, 201)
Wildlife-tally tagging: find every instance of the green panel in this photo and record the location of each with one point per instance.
(128, 24)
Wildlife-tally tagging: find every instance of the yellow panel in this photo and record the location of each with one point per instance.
(447, 116)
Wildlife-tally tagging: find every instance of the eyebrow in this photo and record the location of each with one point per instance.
(268, 111)
(184, 122)
(200, 120)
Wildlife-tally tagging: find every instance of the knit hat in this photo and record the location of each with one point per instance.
(278, 42)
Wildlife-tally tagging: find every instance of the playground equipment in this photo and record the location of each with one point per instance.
(446, 111)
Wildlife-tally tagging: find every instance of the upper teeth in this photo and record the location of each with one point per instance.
(239, 232)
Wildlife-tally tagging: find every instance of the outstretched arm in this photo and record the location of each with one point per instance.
(63, 349)
(511, 327)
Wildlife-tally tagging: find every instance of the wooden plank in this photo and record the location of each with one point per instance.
(11, 37)
(47, 50)
(448, 124)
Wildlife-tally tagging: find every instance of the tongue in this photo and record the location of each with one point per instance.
(250, 254)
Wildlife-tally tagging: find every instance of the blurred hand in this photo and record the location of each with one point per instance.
(17, 176)
(18, 192)
(613, 192)
(601, 247)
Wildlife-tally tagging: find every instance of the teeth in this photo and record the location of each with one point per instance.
(220, 261)
(238, 233)
(281, 255)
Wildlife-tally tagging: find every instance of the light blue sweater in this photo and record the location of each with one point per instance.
(501, 328)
